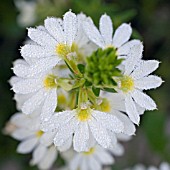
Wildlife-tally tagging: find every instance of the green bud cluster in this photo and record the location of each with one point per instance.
(102, 67)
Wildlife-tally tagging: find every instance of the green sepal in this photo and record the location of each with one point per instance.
(96, 91)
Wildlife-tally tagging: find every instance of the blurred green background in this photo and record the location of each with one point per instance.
(151, 22)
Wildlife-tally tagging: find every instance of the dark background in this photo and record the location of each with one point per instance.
(151, 22)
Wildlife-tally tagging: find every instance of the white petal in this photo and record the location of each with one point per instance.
(48, 160)
(67, 145)
(38, 154)
(113, 137)
(125, 49)
(75, 162)
(81, 137)
(65, 132)
(145, 68)
(93, 34)
(129, 127)
(70, 27)
(103, 156)
(148, 82)
(109, 121)
(21, 70)
(117, 150)
(27, 145)
(106, 29)
(21, 134)
(27, 86)
(49, 105)
(36, 51)
(133, 58)
(84, 164)
(94, 164)
(122, 35)
(123, 137)
(41, 37)
(55, 29)
(164, 166)
(100, 133)
(34, 102)
(47, 139)
(131, 110)
(143, 100)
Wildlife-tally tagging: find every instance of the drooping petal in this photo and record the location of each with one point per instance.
(49, 105)
(27, 146)
(49, 158)
(100, 133)
(47, 138)
(21, 134)
(122, 35)
(35, 51)
(67, 145)
(33, 102)
(81, 137)
(148, 82)
(94, 164)
(143, 100)
(131, 110)
(74, 164)
(26, 86)
(117, 150)
(93, 34)
(21, 70)
(145, 68)
(106, 29)
(109, 121)
(125, 49)
(38, 154)
(55, 29)
(41, 37)
(134, 57)
(70, 27)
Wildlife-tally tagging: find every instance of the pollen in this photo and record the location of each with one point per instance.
(84, 115)
(63, 50)
(104, 105)
(39, 133)
(49, 82)
(90, 152)
(127, 84)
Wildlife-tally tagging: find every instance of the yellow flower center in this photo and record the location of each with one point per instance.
(62, 50)
(39, 133)
(127, 84)
(91, 151)
(84, 114)
(49, 82)
(104, 106)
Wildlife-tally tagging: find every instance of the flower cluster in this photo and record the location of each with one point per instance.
(80, 86)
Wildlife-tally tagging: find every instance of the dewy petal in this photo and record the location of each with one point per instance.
(21, 134)
(65, 132)
(67, 145)
(47, 138)
(49, 158)
(122, 35)
(145, 68)
(81, 137)
(131, 110)
(100, 133)
(21, 70)
(34, 102)
(109, 121)
(134, 57)
(70, 27)
(55, 29)
(41, 37)
(129, 127)
(27, 146)
(35, 51)
(125, 49)
(143, 100)
(117, 150)
(38, 154)
(26, 86)
(106, 29)
(93, 34)
(49, 105)
(148, 82)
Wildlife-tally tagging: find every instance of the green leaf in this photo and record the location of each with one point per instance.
(111, 90)
(81, 68)
(96, 91)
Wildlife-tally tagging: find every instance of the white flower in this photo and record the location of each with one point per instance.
(136, 78)
(103, 37)
(27, 130)
(86, 125)
(27, 14)
(59, 39)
